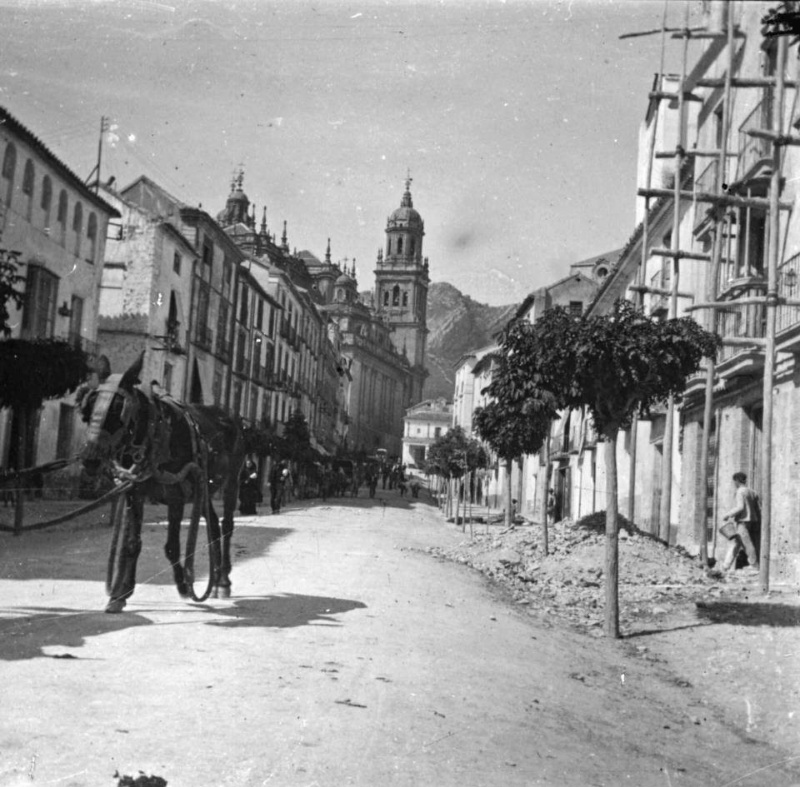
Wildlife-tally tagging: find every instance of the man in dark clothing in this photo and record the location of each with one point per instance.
(277, 479)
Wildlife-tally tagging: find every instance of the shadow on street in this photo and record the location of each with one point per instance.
(27, 634)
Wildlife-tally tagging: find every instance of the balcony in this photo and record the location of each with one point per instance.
(661, 280)
(203, 337)
(742, 321)
(755, 156)
(787, 318)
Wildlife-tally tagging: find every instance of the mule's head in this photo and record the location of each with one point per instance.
(111, 409)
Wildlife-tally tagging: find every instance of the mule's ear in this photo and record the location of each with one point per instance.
(133, 375)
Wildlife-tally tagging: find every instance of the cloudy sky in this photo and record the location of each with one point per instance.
(518, 121)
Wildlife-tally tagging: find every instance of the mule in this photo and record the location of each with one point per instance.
(173, 454)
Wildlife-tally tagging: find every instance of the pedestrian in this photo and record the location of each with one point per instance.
(372, 481)
(739, 523)
(551, 505)
(277, 479)
(248, 489)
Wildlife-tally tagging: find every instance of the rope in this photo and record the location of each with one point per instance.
(101, 501)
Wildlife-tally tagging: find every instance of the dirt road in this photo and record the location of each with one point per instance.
(347, 655)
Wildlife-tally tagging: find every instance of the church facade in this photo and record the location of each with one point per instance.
(377, 339)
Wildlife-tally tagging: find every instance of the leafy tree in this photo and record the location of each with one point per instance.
(9, 279)
(615, 365)
(297, 438)
(517, 420)
(453, 454)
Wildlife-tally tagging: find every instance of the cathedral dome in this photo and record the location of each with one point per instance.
(405, 215)
(344, 281)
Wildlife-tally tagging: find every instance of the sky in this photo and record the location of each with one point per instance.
(516, 121)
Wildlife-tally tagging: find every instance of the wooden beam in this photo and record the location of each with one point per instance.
(778, 139)
(681, 255)
(644, 289)
(727, 304)
(693, 152)
(716, 199)
(757, 82)
(738, 341)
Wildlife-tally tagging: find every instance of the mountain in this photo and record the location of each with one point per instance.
(457, 325)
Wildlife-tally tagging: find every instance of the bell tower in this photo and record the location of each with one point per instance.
(401, 287)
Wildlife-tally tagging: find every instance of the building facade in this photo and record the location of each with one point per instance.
(57, 228)
(424, 423)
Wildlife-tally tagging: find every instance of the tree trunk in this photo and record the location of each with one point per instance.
(22, 445)
(509, 517)
(545, 495)
(612, 539)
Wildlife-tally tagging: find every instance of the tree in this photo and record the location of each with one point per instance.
(297, 438)
(516, 421)
(453, 454)
(31, 371)
(615, 365)
(9, 279)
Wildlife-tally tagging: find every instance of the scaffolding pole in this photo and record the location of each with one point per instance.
(772, 301)
(701, 528)
(665, 511)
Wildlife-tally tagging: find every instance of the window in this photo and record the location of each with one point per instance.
(91, 234)
(28, 177)
(176, 263)
(405, 298)
(9, 167)
(386, 298)
(260, 320)
(400, 245)
(77, 226)
(575, 308)
(208, 259)
(396, 295)
(39, 312)
(61, 216)
(243, 305)
(47, 200)
(437, 432)
(168, 378)
(76, 320)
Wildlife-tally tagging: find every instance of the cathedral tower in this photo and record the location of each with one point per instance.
(401, 287)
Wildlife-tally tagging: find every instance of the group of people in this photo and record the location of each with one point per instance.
(333, 481)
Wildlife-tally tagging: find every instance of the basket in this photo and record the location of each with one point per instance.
(728, 530)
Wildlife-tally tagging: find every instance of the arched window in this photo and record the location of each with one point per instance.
(91, 234)
(396, 295)
(405, 298)
(61, 216)
(77, 226)
(28, 176)
(386, 298)
(413, 246)
(9, 167)
(400, 245)
(47, 199)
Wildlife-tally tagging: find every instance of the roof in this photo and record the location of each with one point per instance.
(21, 131)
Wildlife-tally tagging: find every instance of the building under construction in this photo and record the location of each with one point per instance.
(718, 238)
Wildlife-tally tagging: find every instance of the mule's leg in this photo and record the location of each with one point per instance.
(124, 580)
(172, 549)
(214, 547)
(228, 507)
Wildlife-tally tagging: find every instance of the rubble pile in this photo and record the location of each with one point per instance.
(568, 582)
